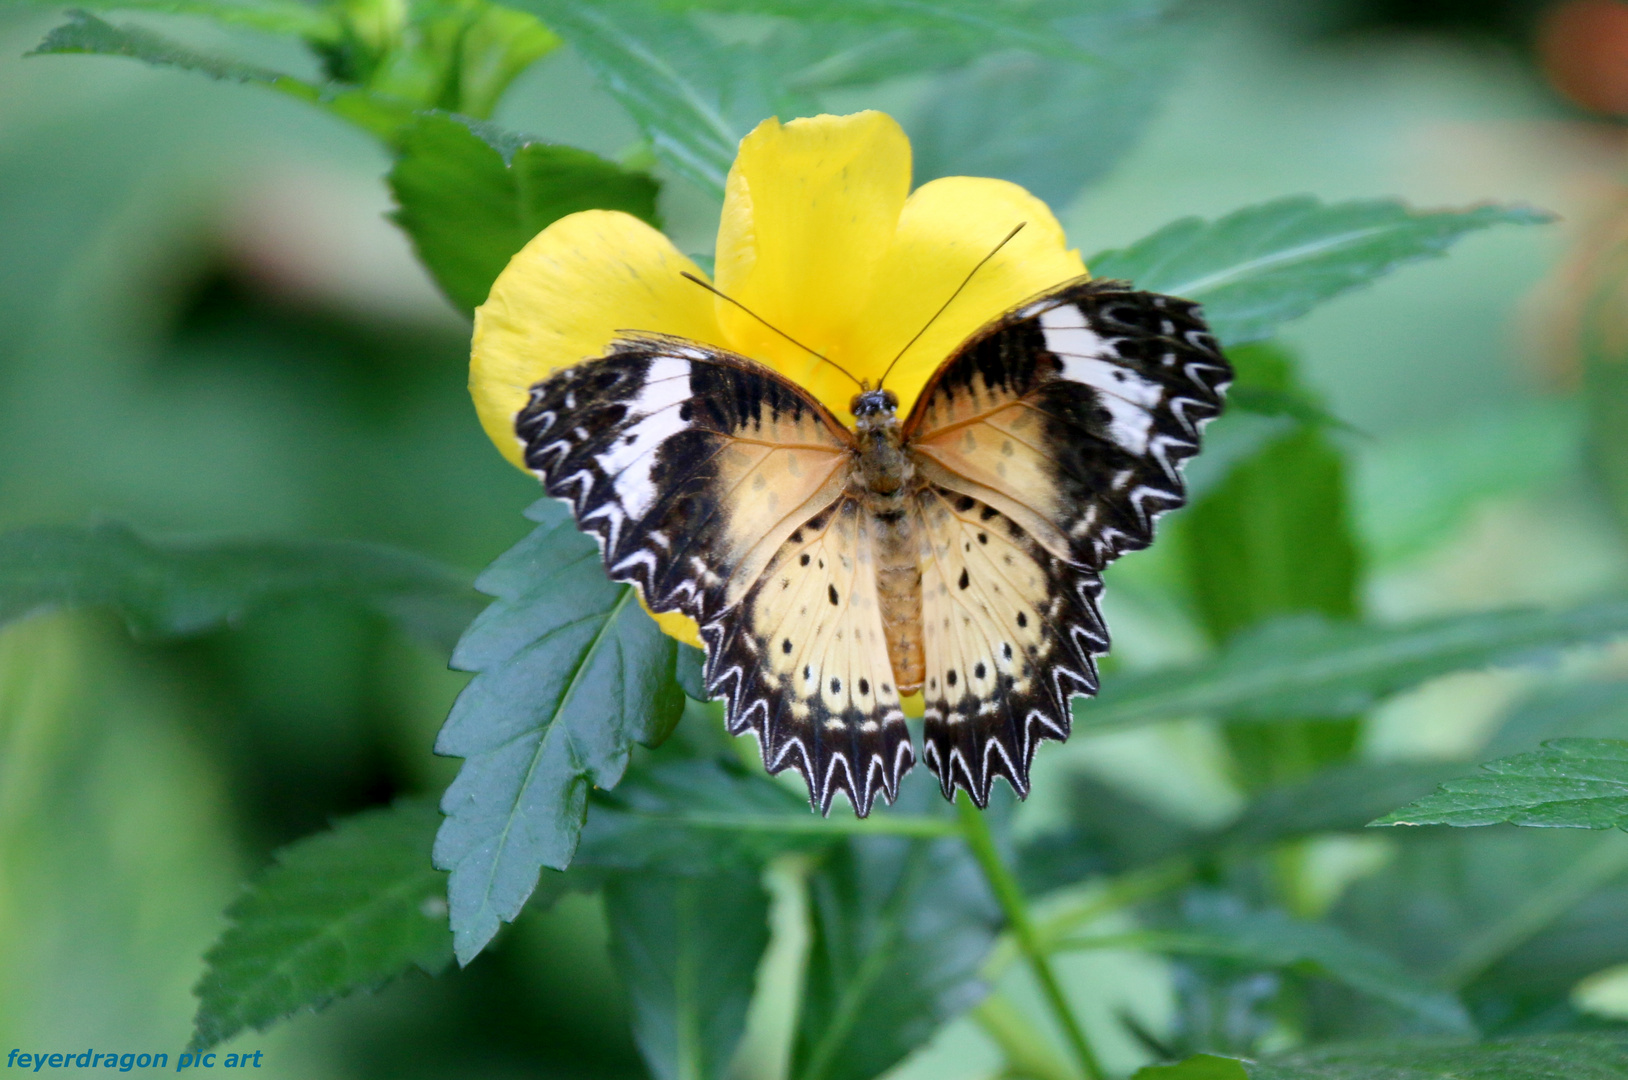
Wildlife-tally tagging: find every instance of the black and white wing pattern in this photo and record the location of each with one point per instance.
(718, 488)
(1049, 444)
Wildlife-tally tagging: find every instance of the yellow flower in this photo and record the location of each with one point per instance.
(820, 235)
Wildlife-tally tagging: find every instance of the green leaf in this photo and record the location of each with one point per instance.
(1570, 784)
(170, 587)
(688, 950)
(689, 816)
(85, 33)
(469, 204)
(1271, 939)
(673, 80)
(288, 17)
(1602, 1056)
(1198, 1067)
(571, 673)
(1304, 666)
(1044, 120)
(344, 910)
(1259, 267)
(900, 930)
(691, 664)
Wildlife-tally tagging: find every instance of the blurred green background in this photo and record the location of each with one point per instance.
(208, 327)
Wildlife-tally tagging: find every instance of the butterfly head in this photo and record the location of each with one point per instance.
(872, 407)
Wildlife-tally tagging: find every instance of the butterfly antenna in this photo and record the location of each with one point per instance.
(950, 301)
(771, 326)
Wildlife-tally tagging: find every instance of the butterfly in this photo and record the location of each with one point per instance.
(957, 551)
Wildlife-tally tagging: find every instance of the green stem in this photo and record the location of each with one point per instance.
(975, 831)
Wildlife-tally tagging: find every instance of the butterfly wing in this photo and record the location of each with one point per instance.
(1048, 444)
(717, 488)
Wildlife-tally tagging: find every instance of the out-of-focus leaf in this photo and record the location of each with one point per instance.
(1590, 710)
(994, 25)
(1569, 784)
(1511, 917)
(1274, 539)
(695, 816)
(688, 950)
(1049, 122)
(1343, 798)
(1101, 831)
(1259, 267)
(1602, 349)
(1602, 1056)
(470, 205)
(344, 910)
(1305, 666)
(900, 929)
(1271, 939)
(1198, 1067)
(571, 673)
(166, 588)
(290, 17)
(85, 33)
(677, 83)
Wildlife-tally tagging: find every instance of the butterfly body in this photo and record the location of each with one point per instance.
(834, 570)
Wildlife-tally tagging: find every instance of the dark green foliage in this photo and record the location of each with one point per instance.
(1511, 917)
(688, 950)
(1306, 666)
(900, 928)
(340, 911)
(571, 673)
(1548, 1057)
(469, 204)
(173, 588)
(695, 816)
(1271, 939)
(1341, 798)
(1570, 783)
(1257, 268)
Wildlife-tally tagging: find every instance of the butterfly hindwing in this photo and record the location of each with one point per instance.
(805, 664)
(717, 488)
(1049, 444)
(1010, 633)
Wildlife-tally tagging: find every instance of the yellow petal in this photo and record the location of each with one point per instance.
(676, 625)
(565, 296)
(809, 210)
(562, 300)
(945, 228)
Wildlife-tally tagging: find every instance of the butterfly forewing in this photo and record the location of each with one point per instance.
(1056, 434)
(717, 487)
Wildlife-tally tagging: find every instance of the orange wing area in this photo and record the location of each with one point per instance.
(1049, 445)
(707, 478)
